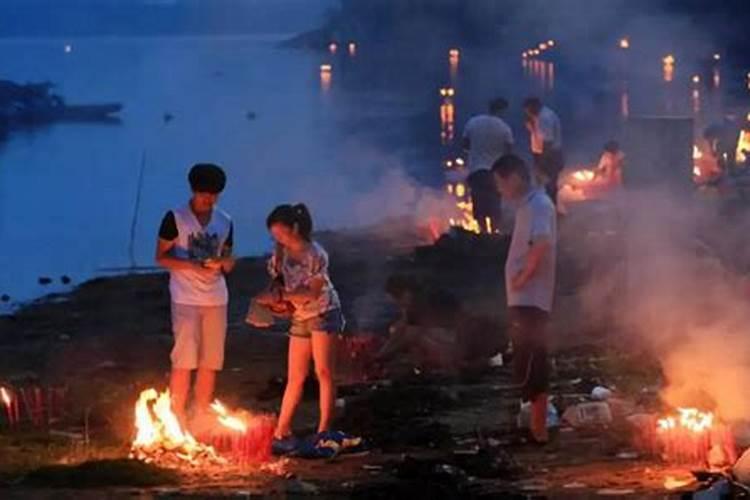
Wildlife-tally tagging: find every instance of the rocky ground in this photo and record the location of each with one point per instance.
(446, 436)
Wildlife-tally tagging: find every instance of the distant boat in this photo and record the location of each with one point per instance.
(33, 103)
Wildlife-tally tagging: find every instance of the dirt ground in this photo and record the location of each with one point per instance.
(447, 436)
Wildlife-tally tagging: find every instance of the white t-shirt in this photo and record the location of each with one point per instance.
(536, 218)
(198, 243)
(488, 136)
(545, 128)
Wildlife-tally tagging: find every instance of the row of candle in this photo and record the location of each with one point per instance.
(41, 405)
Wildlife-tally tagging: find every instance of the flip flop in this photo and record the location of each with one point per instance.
(285, 446)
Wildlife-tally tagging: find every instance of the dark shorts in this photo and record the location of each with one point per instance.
(528, 331)
(331, 322)
(549, 165)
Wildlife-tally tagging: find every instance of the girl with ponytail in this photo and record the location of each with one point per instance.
(299, 269)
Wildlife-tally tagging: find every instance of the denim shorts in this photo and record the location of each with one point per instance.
(331, 322)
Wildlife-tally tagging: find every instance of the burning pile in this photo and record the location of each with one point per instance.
(161, 439)
(578, 185)
(690, 437)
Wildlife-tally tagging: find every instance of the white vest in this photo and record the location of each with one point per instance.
(197, 243)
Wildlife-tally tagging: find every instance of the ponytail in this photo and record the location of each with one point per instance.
(304, 221)
(296, 217)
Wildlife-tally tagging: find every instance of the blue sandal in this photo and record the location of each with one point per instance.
(285, 446)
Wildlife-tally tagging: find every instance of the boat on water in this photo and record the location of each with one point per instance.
(34, 103)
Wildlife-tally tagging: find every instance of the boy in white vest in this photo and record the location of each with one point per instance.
(195, 245)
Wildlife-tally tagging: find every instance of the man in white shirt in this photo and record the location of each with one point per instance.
(195, 245)
(486, 138)
(529, 284)
(545, 133)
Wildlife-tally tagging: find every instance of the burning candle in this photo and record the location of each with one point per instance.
(696, 79)
(333, 47)
(550, 43)
(8, 402)
(352, 49)
(624, 43)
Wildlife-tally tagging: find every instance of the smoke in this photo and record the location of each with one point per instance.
(369, 186)
(677, 288)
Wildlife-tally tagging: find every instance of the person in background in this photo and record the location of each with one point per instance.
(529, 284)
(425, 334)
(302, 265)
(609, 169)
(545, 136)
(195, 245)
(486, 138)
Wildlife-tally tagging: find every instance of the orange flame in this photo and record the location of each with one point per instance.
(743, 146)
(229, 421)
(159, 428)
(691, 419)
(584, 175)
(5, 395)
(624, 43)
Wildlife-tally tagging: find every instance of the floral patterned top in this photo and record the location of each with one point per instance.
(297, 272)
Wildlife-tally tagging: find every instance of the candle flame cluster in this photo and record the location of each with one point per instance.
(691, 419)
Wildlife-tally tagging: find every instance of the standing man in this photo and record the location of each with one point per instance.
(545, 132)
(529, 284)
(195, 245)
(486, 138)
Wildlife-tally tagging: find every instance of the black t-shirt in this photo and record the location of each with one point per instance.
(168, 230)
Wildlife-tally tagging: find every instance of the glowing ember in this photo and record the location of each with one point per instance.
(161, 438)
(624, 43)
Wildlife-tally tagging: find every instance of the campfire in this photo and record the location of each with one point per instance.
(237, 438)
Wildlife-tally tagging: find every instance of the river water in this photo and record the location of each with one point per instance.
(356, 148)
